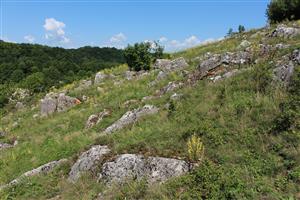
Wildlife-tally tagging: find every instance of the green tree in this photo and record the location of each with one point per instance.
(230, 32)
(34, 82)
(138, 56)
(280, 10)
(241, 29)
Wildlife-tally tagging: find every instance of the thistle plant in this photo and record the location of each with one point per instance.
(195, 148)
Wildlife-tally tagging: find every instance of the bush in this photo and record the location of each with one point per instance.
(141, 55)
(280, 10)
(195, 148)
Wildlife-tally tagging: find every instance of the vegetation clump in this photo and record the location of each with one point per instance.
(280, 10)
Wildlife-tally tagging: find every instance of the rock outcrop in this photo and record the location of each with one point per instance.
(54, 102)
(84, 84)
(99, 78)
(44, 169)
(5, 146)
(96, 118)
(88, 161)
(285, 68)
(170, 65)
(170, 87)
(285, 31)
(131, 117)
(153, 169)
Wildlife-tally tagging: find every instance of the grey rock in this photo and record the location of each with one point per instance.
(296, 56)
(130, 102)
(132, 166)
(96, 118)
(99, 77)
(19, 105)
(244, 44)
(19, 95)
(228, 58)
(161, 75)
(35, 116)
(5, 146)
(84, 84)
(285, 31)
(282, 46)
(170, 65)
(54, 102)
(88, 161)
(131, 117)
(129, 75)
(170, 87)
(176, 96)
(44, 169)
(49, 104)
(284, 72)
(65, 102)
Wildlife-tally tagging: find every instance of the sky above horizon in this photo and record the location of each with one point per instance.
(177, 24)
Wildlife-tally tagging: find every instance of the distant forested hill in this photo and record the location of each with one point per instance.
(38, 67)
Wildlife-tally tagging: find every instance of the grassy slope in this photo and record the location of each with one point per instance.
(244, 159)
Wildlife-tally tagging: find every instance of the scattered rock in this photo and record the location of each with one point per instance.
(84, 84)
(130, 102)
(170, 65)
(284, 72)
(99, 77)
(19, 95)
(88, 161)
(5, 146)
(285, 31)
(137, 167)
(296, 56)
(15, 124)
(146, 98)
(129, 75)
(65, 102)
(44, 169)
(96, 118)
(170, 87)
(54, 102)
(35, 116)
(286, 66)
(244, 44)
(131, 117)
(282, 46)
(175, 96)
(19, 105)
(214, 62)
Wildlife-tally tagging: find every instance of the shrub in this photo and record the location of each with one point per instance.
(195, 148)
(241, 29)
(280, 10)
(141, 55)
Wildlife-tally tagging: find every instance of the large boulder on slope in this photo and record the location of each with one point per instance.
(88, 162)
(137, 167)
(285, 31)
(170, 65)
(54, 102)
(131, 117)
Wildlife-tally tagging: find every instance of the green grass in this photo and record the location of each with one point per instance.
(245, 156)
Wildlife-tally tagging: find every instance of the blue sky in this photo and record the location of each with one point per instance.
(178, 24)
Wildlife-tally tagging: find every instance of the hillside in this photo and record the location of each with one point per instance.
(38, 68)
(124, 135)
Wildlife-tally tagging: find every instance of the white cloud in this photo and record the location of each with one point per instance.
(175, 45)
(29, 38)
(163, 39)
(55, 31)
(118, 38)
